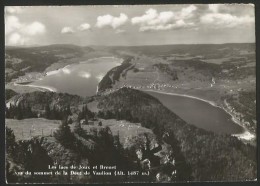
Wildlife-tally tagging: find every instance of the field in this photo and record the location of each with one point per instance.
(27, 128)
(125, 129)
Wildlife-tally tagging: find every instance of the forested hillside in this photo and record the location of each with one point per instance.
(113, 75)
(211, 156)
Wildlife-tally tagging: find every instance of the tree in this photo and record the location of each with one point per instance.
(100, 114)
(108, 115)
(86, 119)
(47, 111)
(7, 112)
(19, 112)
(64, 134)
(93, 132)
(10, 141)
(68, 111)
(78, 129)
(28, 111)
(10, 173)
(70, 121)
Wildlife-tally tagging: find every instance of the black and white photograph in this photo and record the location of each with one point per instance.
(159, 93)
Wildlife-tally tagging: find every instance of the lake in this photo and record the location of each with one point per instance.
(81, 78)
(199, 113)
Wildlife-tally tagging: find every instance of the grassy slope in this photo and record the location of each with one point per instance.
(28, 128)
(125, 129)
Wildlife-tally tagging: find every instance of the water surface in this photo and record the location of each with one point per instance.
(199, 113)
(81, 78)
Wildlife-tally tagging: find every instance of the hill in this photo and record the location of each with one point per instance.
(211, 156)
(19, 61)
(114, 75)
(38, 100)
(212, 50)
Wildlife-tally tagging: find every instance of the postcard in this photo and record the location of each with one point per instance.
(130, 93)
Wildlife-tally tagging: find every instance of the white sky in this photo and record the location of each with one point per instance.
(129, 25)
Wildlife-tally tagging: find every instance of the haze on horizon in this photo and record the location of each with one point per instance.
(130, 25)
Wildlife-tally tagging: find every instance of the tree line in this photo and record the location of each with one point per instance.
(56, 113)
(21, 111)
(24, 110)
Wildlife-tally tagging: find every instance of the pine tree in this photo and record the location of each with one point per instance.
(19, 112)
(86, 119)
(70, 121)
(55, 113)
(10, 141)
(79, 117)
(117, 143)
(64, 134)
(47, 111)
(28, 112)
(68, 111)
(11, 111)
(83, 111)
(109, 115)
(7, 112)
(80, 131)
(100, 114)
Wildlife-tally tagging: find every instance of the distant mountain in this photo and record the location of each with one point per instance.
(20, 46)
(192, 49)
(60, 47)
(22, 60)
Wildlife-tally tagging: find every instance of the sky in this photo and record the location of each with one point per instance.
(129, 25)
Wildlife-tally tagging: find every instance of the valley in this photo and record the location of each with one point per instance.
(127, 107)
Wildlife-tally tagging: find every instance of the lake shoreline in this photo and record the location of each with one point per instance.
(38, 87)
(245, 135)
(64, 67)
(66, 70)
